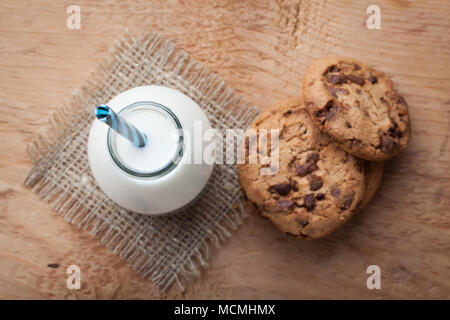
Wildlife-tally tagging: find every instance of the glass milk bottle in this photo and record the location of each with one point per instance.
(143, 158)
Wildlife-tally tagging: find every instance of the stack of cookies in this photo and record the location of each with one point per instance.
(331, 146)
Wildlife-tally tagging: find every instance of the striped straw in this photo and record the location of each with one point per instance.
(120, 125)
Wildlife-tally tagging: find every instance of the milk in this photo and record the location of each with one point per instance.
(162, 140)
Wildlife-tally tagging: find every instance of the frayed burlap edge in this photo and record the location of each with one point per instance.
(199, 83)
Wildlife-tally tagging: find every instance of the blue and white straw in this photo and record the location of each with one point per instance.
(120, 125)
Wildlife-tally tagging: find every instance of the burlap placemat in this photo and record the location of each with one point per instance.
(164, 249)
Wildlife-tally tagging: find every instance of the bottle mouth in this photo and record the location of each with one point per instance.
(168, 151)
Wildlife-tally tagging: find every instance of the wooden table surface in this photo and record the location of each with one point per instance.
(261, 48)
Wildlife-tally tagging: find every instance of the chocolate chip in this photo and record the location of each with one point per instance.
(310, 166)
(355, 143)
(294, 186)
(388, 144)
(309, 201)
(335, 78)
(336, 192)
(402, 100)
(348, 124)
(301, 222)
(303, 170)
(348, 200)
(343, 91)
(373, 79)
(320, 196)
(315, 183)
(356, 79)
(53, 265)
(313, 157)
(334, 68)
(331, 111)
(395, 131)
(282, 188)
(285, 204)
(383, 100)
(289, 112)
(334, 91)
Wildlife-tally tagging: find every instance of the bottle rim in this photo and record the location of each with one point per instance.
(139, 106)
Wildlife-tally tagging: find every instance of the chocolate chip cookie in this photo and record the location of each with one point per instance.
(316, 186)
(357, 107)
(373, 171)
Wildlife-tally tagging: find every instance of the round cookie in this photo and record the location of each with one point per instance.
(358, 107)
(314, 187)
(373, 171)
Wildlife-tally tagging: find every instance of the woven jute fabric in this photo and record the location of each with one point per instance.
(165, 249)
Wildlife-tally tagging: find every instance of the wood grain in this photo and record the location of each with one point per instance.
(261, 48)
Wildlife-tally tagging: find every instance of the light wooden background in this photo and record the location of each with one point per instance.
(261, 49)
